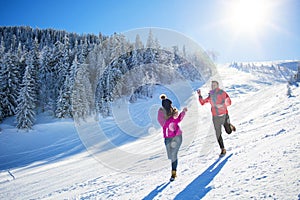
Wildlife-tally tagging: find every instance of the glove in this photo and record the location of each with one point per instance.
(199, 92)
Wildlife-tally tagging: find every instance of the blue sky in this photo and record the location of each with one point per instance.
(213, 24)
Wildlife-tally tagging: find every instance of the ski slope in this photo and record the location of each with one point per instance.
(262, 161)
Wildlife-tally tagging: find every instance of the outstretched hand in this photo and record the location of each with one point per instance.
(199, 92)
(185, 109)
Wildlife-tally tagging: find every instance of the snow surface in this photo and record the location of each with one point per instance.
(63, 160)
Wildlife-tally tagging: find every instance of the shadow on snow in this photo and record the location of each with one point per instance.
(197, 189)
(156, 191)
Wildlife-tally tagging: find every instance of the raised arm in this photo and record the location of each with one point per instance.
(204, 101)
(181, 116)
(201, 100)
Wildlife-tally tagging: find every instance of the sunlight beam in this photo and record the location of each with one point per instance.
(248, 16)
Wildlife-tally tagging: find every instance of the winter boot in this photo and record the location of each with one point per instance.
(223, 152)
(173, 176)
(232, 127)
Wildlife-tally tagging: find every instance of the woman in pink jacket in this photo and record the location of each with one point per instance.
(171, 132)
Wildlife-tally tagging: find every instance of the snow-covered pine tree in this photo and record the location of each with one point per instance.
(72, 71)
(63, 109)
(21, 56)
(9, 80)
(73, 52)
(58, 73)
(36, 69)
(95, 66)
(122, 45)
(47, 80)
(134, 58)
(151, 49)
(27, 99)
(2, 48)
(156, 44)
(138, 43)
(137, 54)
(150, 40)
(83, 49)
(81, 99)
(118, 84)
(78, 108)
(1, 113)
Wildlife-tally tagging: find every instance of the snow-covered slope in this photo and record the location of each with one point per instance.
(262, 160)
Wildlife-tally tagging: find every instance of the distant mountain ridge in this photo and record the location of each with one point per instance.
(277, 71)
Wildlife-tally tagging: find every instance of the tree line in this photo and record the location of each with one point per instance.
(72, 75)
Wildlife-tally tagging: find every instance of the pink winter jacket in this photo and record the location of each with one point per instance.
(170, 126)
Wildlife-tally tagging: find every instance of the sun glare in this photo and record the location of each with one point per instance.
(248, 16)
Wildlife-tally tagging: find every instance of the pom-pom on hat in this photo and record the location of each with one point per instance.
(163, 96)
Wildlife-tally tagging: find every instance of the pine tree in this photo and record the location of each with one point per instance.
(58, 73)
(9, 80)
(63, 109)
(83, 49)
(150, 40)
(21, 56)
(156, 44)
(94, 64)
(64, 101)
(81, 96)
(27, 97)
(2, 49)
(47, 80)
(152, 49)
(36, 68)
(138, 42)
(1, 113)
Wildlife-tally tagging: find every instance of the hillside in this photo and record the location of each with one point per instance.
(262, 161)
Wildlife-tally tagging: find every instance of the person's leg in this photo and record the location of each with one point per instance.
(217, 120)
(227, 124)
(168, 147)
(174, 169)
(170, 152)
(174, 165)
(175, 145)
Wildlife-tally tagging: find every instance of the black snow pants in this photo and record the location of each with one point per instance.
(218, 122)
